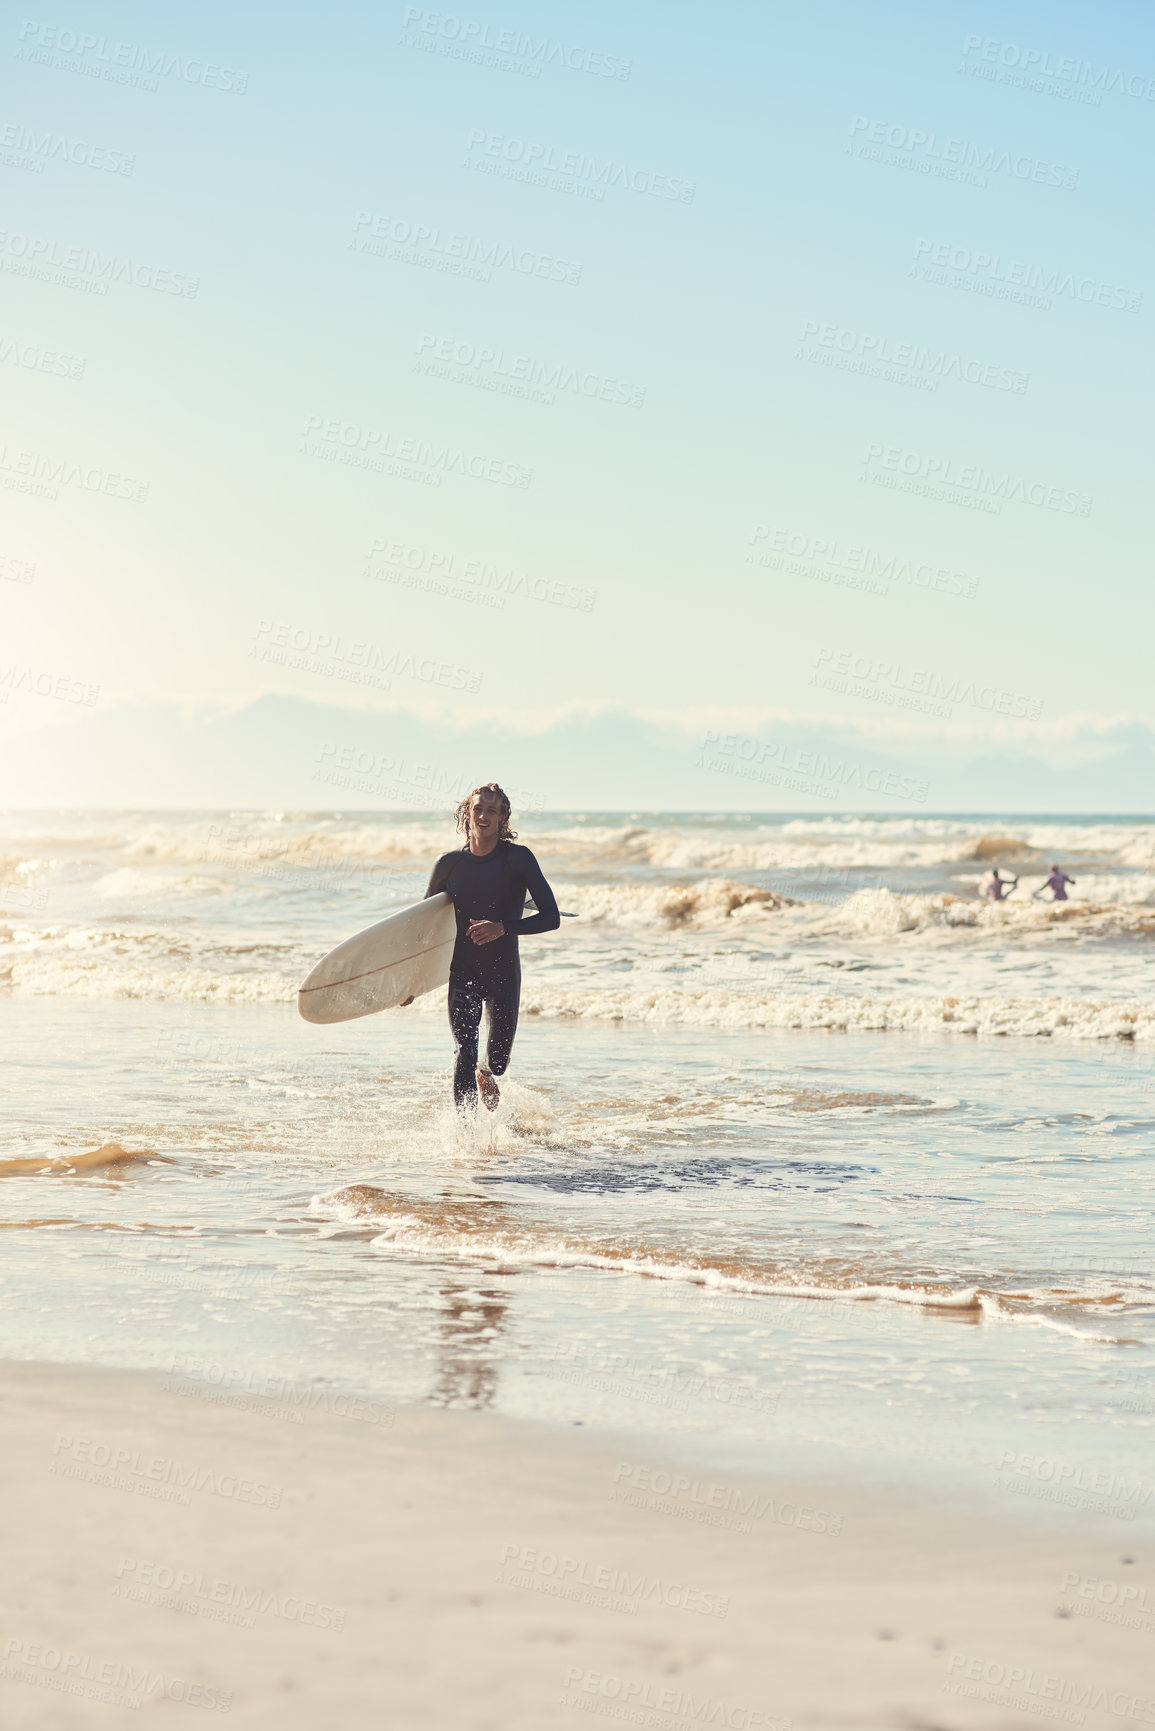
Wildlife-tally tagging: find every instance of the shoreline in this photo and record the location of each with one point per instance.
(341, 1558)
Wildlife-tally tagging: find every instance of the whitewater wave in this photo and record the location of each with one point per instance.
(99, 962)
(1132, 844)
(469, 1228)
(882, 913)
(710, 903)
(104, 962)
(130, 884)
(661, 850)
(840, 844)
(230, 841)
(240, 844)
(1062, 1018)
(1103, 887)
(707, 903)
(253, 841)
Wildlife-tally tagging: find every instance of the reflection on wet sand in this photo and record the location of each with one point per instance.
(471, 1320)
(470, 1317)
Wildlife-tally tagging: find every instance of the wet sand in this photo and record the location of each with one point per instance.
(353, 1566)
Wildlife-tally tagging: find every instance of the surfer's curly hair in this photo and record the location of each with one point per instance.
(505, 810)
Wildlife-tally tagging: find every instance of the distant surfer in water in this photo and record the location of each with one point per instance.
(488, 880)
(998, 888)
(1056, 883)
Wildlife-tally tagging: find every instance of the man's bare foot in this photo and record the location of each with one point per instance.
(488, 1089)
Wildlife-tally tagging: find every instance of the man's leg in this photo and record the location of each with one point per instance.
(502, 1004)
(464, 1021)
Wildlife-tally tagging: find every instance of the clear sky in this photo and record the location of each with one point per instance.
(621, 377)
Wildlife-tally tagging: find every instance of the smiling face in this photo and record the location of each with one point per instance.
(483, 817)
(484, 821)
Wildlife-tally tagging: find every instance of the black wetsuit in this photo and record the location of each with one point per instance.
(490, 886)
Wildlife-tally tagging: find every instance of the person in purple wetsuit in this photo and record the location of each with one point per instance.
(488, 880)
(998, 888)
(1056, 883)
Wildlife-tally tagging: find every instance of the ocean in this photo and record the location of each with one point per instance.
(808, 1155)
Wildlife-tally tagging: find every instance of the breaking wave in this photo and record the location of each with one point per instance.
(882, 913)
(710, 902)
(108, 962)
(173, 963)
(1064, 1018)
(471, 1228)
(878, 913)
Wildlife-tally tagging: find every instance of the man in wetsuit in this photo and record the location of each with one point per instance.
(1056, 883)
(488, 880)
(998, 888)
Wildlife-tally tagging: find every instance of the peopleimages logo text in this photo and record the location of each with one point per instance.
(481, 362)
(471, 33)
(870, 347)
(102, 56)
(974, 478)
(55, 146)
(575, 165)
(891, 682)
(1023, 1687)
(986, 158)
(114, 1682)
(373, 448)
(866, 561)
(454, 249)
(742, 749)
(1041, 62)
(32, 255)
(992, 267)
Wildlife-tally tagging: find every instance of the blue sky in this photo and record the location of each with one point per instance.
(611, 380)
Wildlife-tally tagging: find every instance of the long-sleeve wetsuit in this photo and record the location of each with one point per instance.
(490, 886)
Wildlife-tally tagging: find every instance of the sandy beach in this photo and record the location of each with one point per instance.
(170, 1546)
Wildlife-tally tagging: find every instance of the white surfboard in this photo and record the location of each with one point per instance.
(387, 964)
